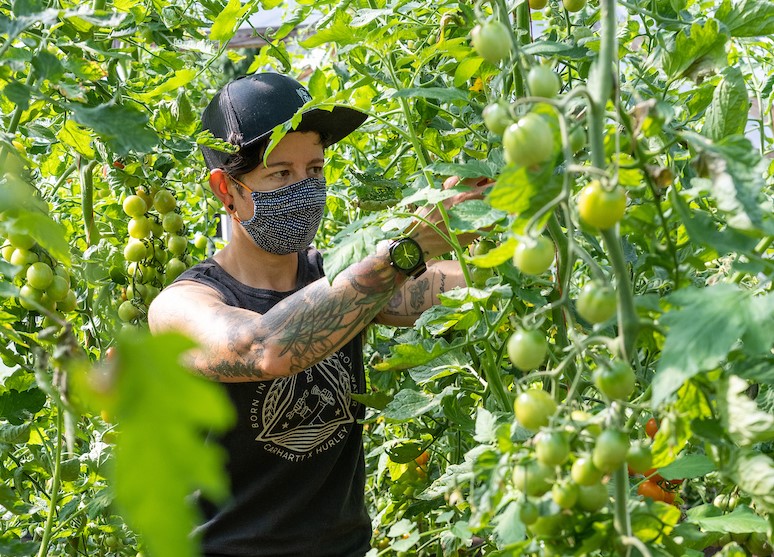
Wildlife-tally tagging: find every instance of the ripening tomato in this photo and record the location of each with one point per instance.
(650, 490)
(651, 428)
(492, 41)
(565, 494)
(527, 349)
(533, 408)
(543, 82)
(135, 250)
(583, 471)
(164, 202)
(615, 380)
(599, 207)
(529, 141)
(134, 206)
(596, 302)
(592, 498)
(533, 478)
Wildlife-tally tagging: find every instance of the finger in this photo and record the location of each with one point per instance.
(450, 182)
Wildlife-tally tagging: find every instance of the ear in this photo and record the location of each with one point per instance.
(219, 183)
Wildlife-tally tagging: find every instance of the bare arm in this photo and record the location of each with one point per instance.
(303, 329)
(418, 295)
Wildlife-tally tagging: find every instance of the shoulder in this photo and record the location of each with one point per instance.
(176, 302)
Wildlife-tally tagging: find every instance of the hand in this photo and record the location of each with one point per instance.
(434, 245)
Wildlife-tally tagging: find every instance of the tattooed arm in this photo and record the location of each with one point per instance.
(302, 330)
(417, 295)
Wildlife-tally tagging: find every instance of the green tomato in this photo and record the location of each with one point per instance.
(552, 448)
(497, 117)
(177, 244)
(529, 512)
(615, 380)
(22, 257)
(58, 289)
(565, 494)
(139, 227)
(533, 478)
(597, 302)
(527, 349)
(134, 206)
(40, 275)
(69, 303)
(533, 408)
(28, 296)
(610, 450)
(577, 139)
(529, 141)
(573, 5)
(128, 312)
(200, 241)
(639, 458)
(534, 256)
(592, 498)
(583, 472)
(492, 41)
(135, 250)
(601, 208)
(543, 82)
(173, 269)
(537, 4)
(172, 222)
(21, 241)
(164, 202)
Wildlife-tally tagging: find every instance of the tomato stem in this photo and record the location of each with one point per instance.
(54, 498)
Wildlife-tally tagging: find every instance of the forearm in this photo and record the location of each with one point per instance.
(304, 328)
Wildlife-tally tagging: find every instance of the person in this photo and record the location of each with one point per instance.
(283, 340)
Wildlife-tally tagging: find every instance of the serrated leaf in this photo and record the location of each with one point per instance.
(743, 420)
(351, 245)
(339, 32)
(727, 113)
(409, 404)
(741, 521)
(748, 18)
(689, 466)
(225, 25)
(76, 137)
(18, 407)
(373, 400)
(524, 192)
(462, 296)
(178, 79)
(473, 215)
(555, 49)
(466, 70)
(703, 328)
(703, 40)
(470, 169)
(122, 128)
(154, 474)
(14, 434)
(753, 472)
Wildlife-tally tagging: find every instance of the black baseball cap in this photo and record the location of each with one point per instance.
(246, 110)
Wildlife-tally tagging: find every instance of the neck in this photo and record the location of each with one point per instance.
(254, 267)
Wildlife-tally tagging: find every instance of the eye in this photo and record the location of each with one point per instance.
(316, 170)
(281, 174)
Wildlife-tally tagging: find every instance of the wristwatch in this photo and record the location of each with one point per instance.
(406, 257)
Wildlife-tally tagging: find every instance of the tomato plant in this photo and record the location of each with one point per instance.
(662, 115)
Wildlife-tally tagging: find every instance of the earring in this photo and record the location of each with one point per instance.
(231, 207)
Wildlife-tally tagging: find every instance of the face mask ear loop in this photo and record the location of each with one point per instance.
(234, 214)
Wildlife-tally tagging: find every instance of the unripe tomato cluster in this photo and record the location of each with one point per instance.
(43, 281)
(156, 251)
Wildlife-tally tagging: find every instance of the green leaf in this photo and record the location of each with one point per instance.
(496, 256)
(15, 434)
(406, 356)
(161, 456)
(470, 169)
(748, 18)
(741, 521)
(524, 192)
(473, 215)
(466, 70)
(339, 32)
(689, 466)
(351, 245)
(703, 42)
(743, 420)
(179, 79)
(703, 327)
(409, 404)
(462, 296)
(728, 111)
(753, 472)
(122, 128)
(225, 25)
(11, 502)
(20, 406)
(555, 49)
(76, 137)
(374, 400)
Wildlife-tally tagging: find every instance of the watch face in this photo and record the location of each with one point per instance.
(406, 254)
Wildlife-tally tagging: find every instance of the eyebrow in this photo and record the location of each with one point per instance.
(283, 163)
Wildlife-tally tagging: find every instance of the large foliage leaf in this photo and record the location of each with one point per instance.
(161, 457)
(727, 114)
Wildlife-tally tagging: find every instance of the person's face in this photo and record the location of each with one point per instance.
(298, 156)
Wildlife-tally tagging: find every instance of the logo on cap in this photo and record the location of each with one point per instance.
(305, 96)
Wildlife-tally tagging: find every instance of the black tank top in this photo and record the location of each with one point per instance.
(295, 455)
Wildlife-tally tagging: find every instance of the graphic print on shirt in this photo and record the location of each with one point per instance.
(304, 414)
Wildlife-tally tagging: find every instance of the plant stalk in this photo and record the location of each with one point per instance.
(53, 499)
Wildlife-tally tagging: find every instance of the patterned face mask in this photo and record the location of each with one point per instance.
(286, 219)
